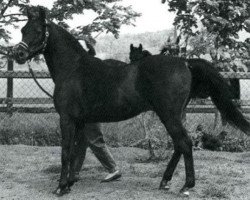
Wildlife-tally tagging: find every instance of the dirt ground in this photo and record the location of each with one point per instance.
(32, 173)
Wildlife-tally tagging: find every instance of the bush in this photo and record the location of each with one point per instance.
(235, 144)
(43, 130)
(222, 142)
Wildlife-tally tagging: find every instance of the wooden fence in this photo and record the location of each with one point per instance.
(31, 105)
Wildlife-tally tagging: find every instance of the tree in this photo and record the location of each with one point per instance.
(9, 19)
(110, 16)
(212, 27)
(223, 18)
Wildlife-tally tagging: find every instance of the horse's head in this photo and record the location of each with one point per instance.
(135, 53)
(34, 35)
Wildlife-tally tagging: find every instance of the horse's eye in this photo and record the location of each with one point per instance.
(38, 30)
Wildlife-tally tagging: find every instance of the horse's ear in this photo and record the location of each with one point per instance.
(31, 13)
(131, 47)
(42, 14)
(36, 13)
(140, 47)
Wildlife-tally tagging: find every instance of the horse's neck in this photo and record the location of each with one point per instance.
(61, 56)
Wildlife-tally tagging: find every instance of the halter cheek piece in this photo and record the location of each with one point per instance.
(39, 49)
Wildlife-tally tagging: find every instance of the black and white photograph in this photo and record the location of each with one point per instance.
(124, 99)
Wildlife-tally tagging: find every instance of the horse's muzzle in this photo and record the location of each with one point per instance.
(20, 54)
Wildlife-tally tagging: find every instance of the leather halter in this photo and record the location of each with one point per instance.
(40, 48)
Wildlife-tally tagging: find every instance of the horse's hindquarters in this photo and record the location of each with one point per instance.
(165, 81)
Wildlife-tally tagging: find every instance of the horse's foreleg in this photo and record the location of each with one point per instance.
(68, 137)
(81, 145)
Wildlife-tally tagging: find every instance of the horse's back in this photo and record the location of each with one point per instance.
(114, 62)
(162, 67)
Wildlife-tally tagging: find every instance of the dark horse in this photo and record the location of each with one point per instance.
(87, 91)
(137, 53)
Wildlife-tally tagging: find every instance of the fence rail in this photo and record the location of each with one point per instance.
(23, 74)
(45, 105)
(45, 74)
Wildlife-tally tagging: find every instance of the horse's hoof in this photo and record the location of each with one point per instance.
(77, 177)
(185, 192)
(60, 192)
(71, 183)
(164, 185)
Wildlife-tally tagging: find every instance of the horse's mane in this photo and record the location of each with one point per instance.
(72, 40)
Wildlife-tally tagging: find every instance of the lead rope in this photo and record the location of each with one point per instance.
(38, 84)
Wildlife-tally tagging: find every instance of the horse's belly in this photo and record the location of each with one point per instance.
(120, 107)
(103, 116)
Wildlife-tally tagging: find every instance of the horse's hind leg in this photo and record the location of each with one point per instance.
(182, 145)
(168, 99)
(170, 170)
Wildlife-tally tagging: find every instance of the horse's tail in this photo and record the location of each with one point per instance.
(205, 76)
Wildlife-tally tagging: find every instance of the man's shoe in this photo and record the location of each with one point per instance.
(112, 176)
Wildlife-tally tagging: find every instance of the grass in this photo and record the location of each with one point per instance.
(30, 129)
(28, 172)
(215, 191)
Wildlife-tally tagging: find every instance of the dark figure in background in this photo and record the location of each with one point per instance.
(109, 61)
(87, 90)
(173, 49)
(138, 53)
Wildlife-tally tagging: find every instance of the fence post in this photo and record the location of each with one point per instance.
(10, 89)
